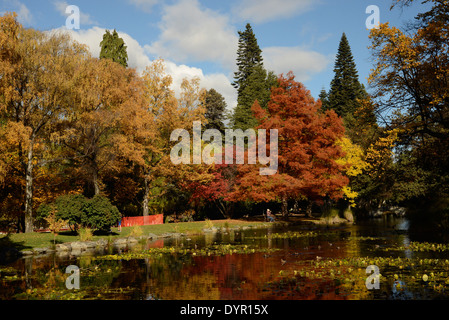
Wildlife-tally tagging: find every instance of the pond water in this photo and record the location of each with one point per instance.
(280, 263)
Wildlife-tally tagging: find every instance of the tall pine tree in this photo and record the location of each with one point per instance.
(252, 81)
(113, 47)
(249, 55)
(345, 89)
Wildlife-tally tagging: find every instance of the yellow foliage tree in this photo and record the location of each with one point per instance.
(354, 163)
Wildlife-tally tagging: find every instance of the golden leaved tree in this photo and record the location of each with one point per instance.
(39, 71)
(111, 127)
(170, 113)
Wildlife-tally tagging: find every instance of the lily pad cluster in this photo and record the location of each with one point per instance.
(287, 235)
(426, 247)
(397, 275)
(213, 250)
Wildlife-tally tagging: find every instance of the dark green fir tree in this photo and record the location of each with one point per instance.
(258, 87)
(324, 99)
(215, 110)
(252, 81)
(249, 55)
(113, 47)
(346, 90)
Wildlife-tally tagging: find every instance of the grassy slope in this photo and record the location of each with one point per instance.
(25, 241)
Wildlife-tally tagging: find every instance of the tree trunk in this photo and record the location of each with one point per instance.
(95, 182)
(29, 190)
(93, 186)
(146, 197)
(224, 207)
(284, 206)
(309, 209)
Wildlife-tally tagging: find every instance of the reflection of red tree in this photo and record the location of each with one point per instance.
(155, 244)
(245, 277)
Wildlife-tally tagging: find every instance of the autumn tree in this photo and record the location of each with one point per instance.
(307, 150)
(113, 47)
(39, 77)
(211, 194)
(161, 178)
(348, 98)
(411, 92)
(111, 127)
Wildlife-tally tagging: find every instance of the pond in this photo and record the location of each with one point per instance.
(374, 260)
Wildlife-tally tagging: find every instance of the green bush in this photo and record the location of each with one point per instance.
(71, 208)
(100, 214)
(97, 213)
(42, 213)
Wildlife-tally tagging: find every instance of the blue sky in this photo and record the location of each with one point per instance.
(199, 37)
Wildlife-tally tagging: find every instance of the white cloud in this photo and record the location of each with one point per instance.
(92, 37)
(145, 5)
(192, 33)
(217, 81)
(85, 18)
(302, 62)
(260, 11)
(24, 15)
(139, 59)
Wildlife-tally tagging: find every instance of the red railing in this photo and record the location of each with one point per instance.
(142, 221)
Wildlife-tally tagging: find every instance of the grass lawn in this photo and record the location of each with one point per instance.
(27, 241)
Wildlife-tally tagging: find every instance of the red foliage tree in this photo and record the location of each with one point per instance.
(215, 190)
(307, 150)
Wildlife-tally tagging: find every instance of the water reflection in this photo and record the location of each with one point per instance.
(310, 263)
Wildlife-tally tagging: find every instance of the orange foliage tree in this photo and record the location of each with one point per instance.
(308, 153)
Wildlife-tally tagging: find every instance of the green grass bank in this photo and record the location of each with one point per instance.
(28, 241)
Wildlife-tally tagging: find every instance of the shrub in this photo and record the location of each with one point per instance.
(71, 208)
(136, 232)
(85, 234)
(209, 224)
(55, 224)
(97, 213)
(100, 214)
(42, 213)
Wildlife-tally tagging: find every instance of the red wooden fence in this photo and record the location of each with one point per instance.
(142, 221)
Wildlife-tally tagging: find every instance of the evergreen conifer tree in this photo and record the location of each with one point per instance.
(113, 47)
(324, 99)
(248, 56)
(259, 84)
(215, 110)
(345, 87)
(252, 81)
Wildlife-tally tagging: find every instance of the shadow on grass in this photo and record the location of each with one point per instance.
(55, 242)
(7, 243)
(10, 250)
(68, 233)
(105, 233)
